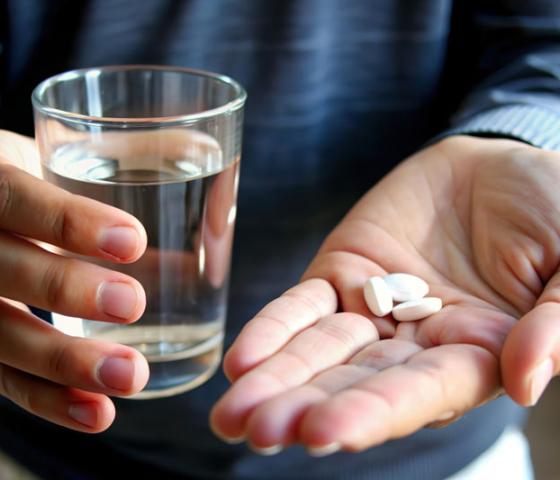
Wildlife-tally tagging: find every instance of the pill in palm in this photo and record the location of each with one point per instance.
(405, 287)
(378, 297)
(417, 309)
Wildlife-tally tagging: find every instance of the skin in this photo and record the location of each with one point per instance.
(479, 220)
(476, 218)
(68, 380)
(62, 375)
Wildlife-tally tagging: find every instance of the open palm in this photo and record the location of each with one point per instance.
(478, 220)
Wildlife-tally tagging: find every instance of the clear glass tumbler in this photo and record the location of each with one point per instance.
(162, 143)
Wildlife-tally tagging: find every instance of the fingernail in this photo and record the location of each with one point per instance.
(121, 242)
(446, 416)
(118, 299)
(116, 373)
(84, 413)
(324, 450)
(540, 378)
(267, 451)
(233, 440)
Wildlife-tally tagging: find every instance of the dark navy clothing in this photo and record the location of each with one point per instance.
(339, 92)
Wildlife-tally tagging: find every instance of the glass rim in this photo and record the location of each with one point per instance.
(237, 102)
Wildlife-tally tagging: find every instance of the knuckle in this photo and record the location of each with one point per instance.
(336, 259)
(6, 386)
(10, 389)
(31, 401)
(373, 358)
(341, 333)
(305, 302)
(6, 188)
(55, 282)
(60, 224)
(337, 266)
(453, 142)
(349, 329)
(304, 364)
(59, 359)
(24, 399)
(276, 322)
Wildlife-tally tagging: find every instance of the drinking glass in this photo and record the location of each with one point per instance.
(162, 143)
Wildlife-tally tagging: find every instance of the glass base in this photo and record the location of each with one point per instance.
(176, 389)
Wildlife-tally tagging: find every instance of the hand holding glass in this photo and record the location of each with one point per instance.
(162, 143)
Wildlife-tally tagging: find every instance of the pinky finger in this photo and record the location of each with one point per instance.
(66, 406)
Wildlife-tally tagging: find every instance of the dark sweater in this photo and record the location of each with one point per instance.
(339, 92)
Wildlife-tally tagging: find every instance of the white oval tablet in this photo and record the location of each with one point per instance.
(405, 287)
(378, 297)
(417, 309)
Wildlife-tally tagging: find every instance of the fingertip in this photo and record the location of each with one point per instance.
(141, 372)
(530, 344)
(106, 414)
(140, 301)
(123, 243)
(513, 363)
(121, 299)
(276, 421)
(352, 418)
(130, 370)
(322, 423)
(212, 421)
(324, 450)
(262, 430)
(247, 351)
(313, 431)
(219, 425)
(231, 366)
(229, 415)
(539, 379)
(92, 413)
(142, 240)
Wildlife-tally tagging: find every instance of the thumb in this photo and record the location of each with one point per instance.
(531, 353)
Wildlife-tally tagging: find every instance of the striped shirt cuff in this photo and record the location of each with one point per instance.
(534, 125)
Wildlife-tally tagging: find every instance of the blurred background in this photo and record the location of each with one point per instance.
(543, 431)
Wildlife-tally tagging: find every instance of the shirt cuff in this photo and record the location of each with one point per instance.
(533, 125)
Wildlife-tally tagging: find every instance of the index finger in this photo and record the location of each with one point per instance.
(33, 208)
(298, 308)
